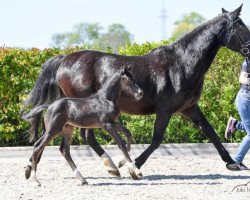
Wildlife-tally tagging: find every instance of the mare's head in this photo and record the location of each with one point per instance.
(128, 84)
(236, 35)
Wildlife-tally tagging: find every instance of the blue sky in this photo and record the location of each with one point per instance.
(31, 23)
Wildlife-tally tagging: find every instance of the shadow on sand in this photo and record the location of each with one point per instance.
(210, 179)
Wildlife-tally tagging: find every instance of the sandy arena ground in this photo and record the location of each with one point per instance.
(165, 177)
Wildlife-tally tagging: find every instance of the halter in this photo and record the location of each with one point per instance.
(245, 45)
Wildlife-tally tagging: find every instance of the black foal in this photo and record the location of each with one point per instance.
(100, 110)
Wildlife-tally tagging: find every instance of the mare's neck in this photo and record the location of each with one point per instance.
(199, 47)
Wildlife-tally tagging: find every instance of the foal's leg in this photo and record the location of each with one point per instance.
(55, 127)
(127, 133)
(133, 170)
(121, 128)
(28, 168)
(88, 135)
(38, 149)
(197, 117)
(65, 150)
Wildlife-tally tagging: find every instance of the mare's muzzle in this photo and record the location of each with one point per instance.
(138, 94)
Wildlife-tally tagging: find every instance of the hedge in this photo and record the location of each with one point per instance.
(19, 70)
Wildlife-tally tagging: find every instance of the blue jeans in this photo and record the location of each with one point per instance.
(243, 107)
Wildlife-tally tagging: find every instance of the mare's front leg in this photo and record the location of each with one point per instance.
(111, 129)
(197, 117)
(88, 135)
(161, 122)
(65, 150)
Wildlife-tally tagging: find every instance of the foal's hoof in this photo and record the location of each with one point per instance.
(233, 167)
(114, 172)
(27, 171)
(84, 182)
(134, 175)
(37, 183)
(33, 179)
(122, 163)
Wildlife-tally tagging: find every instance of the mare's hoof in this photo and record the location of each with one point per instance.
(233, 167)
(134, 175)
(27, 171)
(114, 172)
(140, 175)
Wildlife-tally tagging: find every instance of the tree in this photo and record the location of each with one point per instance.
(116, 36)
(187, 23)
(91, 35)
(82, 34)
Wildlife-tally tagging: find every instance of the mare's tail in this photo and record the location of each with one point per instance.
(45, 91)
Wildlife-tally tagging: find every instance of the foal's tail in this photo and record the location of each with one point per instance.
(45, 91)
(34, 112)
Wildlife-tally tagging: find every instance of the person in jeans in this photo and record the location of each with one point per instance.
(243, 107)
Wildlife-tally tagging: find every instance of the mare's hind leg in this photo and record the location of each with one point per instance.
(197, 117)
(133, 170)
(65, 150)
(88, 135)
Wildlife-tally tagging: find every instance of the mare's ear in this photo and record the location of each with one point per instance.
(224, 11)
(236, 12)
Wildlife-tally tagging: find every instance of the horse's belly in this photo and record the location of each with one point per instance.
(130, 106)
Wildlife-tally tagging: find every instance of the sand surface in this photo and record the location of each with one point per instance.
(165, 177)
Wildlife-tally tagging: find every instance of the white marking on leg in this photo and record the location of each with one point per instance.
(135, 169)
(34, 179)
(123, 161)
(109, 164)
(79, 176)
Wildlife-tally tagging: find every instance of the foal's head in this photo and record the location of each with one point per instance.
(129, 86)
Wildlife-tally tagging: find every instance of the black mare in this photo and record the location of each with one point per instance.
(171, 77)
(99, 110)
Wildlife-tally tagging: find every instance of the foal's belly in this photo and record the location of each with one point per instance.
(86, 123)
